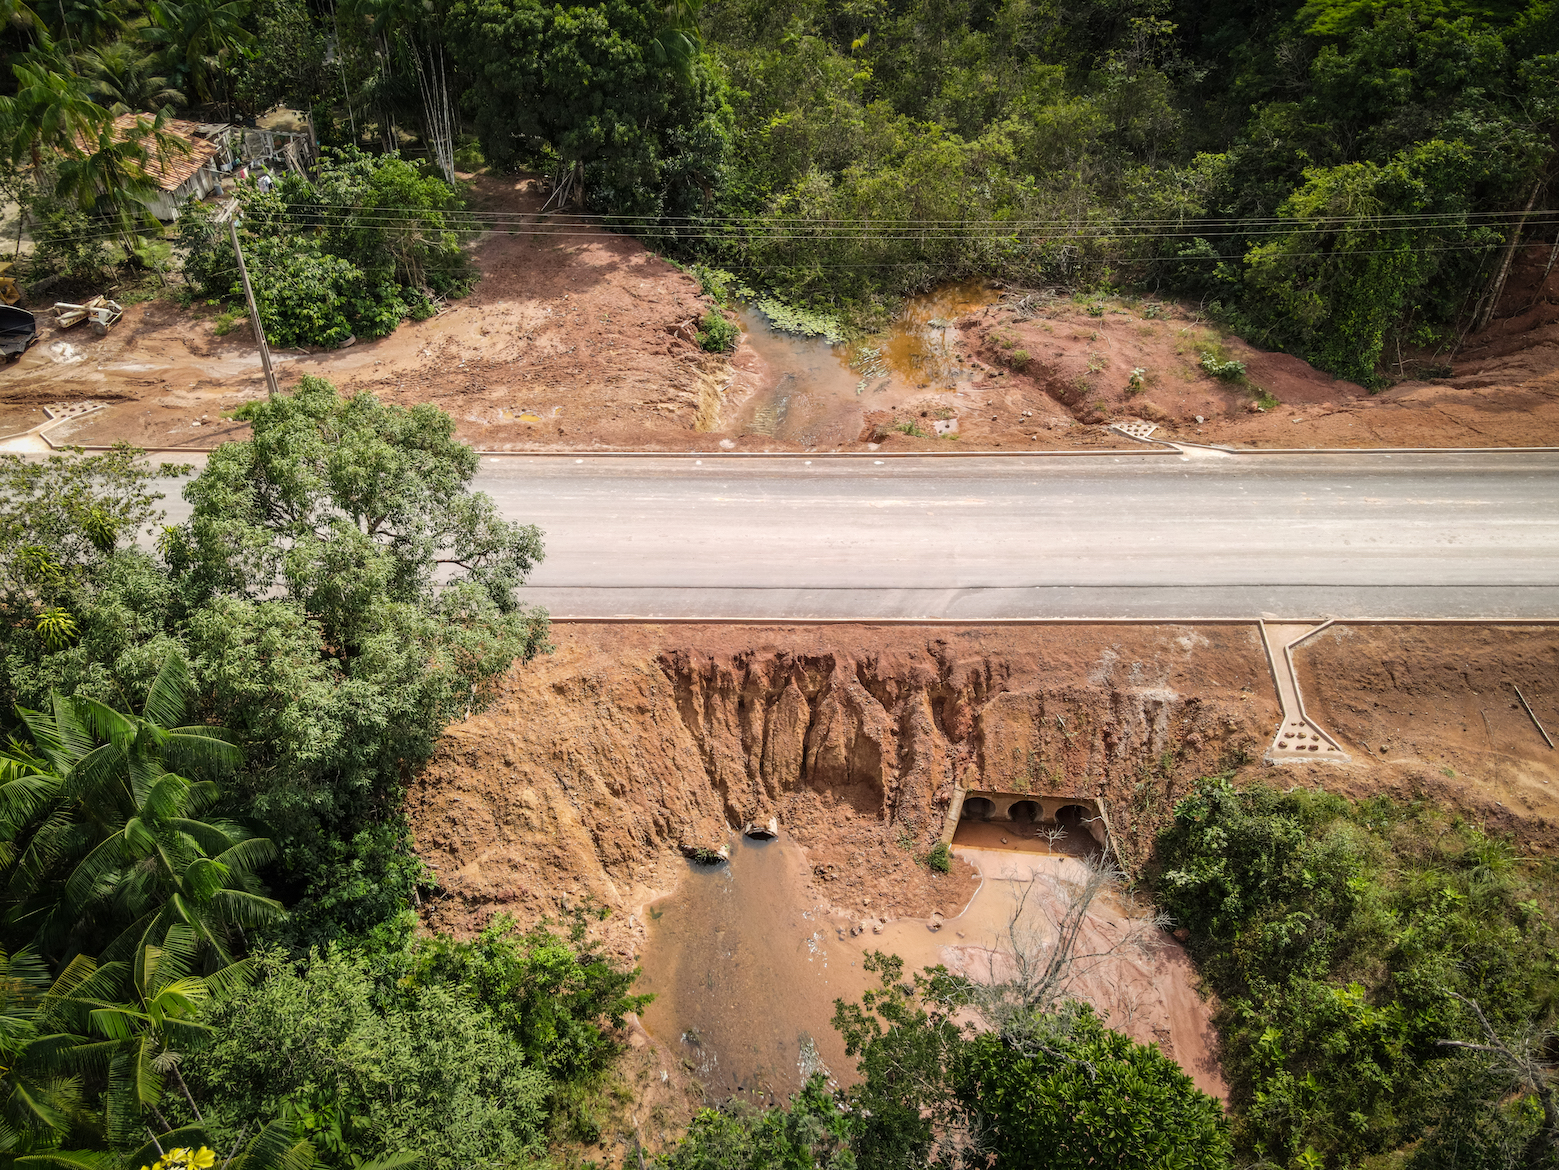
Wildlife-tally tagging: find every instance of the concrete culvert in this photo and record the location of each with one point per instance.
(763, 830)
(977, 808)
(1025, 812)
(1071, 816)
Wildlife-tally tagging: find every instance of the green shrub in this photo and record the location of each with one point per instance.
(1229, 371)
(718, 335)
(1335, 935)
(940, 858)
(1019, 359)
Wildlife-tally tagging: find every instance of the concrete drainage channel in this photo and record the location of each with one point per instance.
(1300, 737)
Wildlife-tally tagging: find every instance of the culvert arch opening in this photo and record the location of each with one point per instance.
(1025, 812)
(978, 808)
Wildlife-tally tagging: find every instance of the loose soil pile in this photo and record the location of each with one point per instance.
(588, 341)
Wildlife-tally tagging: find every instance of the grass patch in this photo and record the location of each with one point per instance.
(227, 320)
(716, 334)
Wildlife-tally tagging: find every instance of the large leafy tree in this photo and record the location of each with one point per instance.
(362, 1067)
(348, 594)
(612, 87)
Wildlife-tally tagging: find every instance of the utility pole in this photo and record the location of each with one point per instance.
(254, 312)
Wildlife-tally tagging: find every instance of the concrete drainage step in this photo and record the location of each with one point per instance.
(1141, 431)
(1299, 737)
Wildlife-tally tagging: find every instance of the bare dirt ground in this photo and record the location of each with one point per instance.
(589, 342)
(602, 762)
(1502, 388)
(565, 341)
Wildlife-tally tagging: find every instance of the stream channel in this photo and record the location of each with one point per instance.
(815, 393)
(746, 960)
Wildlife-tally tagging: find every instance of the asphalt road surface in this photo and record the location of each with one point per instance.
(1194, 535)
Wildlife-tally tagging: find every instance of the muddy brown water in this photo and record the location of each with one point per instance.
(741, 962)
(746, 962)
(813, 392)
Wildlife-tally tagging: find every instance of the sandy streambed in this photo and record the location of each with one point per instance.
(746, 962)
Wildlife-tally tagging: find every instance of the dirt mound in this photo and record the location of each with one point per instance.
(566, 341)
(601, 762)
(589, 341)
(1144, 361)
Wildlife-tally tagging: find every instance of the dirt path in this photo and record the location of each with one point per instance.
(589, 342)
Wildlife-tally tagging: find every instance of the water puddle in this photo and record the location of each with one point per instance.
(817, 394)
(746, 963)
(741, 961)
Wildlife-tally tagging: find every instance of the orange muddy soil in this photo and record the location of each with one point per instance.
(589, 342)
(601, 763)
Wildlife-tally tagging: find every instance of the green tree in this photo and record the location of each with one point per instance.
(110, 178)
(107, 847)
(42, 1100)
(50, 113)
(1349, 271)
(551, 994)
(124, 78)
(361, 1070)
(196, 38)
(348, 595)
(136, 1015)
(1099, 1099)
(595, 84)
(812, 1133)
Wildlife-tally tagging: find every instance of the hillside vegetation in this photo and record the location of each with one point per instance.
(1340, 178)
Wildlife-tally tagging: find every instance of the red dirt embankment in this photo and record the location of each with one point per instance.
(600, 761)
(1500, 390)
(587, 340)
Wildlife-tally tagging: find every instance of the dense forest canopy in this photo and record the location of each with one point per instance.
(1340, 179)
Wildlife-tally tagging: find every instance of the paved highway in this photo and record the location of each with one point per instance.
(1196, 534)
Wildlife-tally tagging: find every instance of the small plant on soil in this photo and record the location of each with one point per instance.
(1152, 311)
(789, 319)
(1019, 359)
(1137, 382)
(940, 859)
(225, 322)
(702, 856)
(716, 334)
(909, 428)
(1096, 362)
(1096, 309)
(1224, 371)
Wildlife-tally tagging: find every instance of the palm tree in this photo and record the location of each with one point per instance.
(39, 1102)
(50, 110)
(109, 841)
(138, 1014)
(110, 179)
(122, 77)
(83, 22)
(193, 37)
